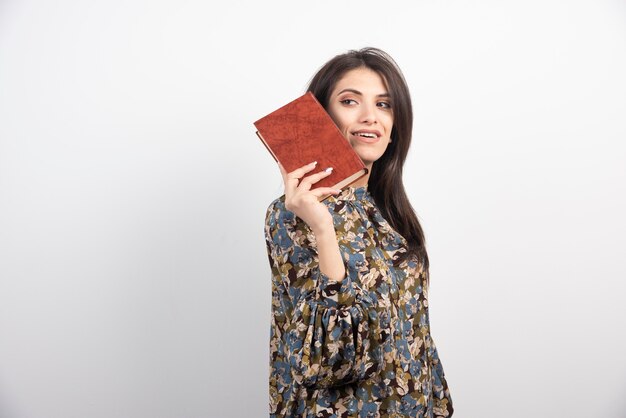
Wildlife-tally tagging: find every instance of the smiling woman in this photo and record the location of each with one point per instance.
(350, 332)
(360, 106)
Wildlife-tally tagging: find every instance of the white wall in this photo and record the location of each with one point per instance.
(133, 275)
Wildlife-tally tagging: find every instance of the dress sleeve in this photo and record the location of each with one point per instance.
(442, 403)
(331, 330)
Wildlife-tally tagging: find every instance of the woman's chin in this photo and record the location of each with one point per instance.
(368, 158)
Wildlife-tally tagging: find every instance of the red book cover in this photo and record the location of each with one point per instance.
(301, 132)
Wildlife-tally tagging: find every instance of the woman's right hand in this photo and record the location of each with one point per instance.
(302, 200)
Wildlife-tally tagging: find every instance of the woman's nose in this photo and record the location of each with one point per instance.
(368, 114)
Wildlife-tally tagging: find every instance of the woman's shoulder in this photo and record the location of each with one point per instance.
(277, 216)
(284, 231)
(276, 208)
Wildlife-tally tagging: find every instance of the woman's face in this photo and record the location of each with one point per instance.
(360, 106)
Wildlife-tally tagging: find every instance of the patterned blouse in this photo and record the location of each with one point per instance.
(360, 347)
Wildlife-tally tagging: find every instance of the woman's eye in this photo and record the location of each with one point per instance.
(347, 101)
(385, 105)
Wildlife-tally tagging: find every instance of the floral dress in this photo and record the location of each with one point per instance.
(360, 347)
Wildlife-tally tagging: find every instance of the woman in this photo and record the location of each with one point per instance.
(350, 333)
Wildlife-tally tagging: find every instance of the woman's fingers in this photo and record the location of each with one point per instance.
(295, 180)
(292, 179)
(300, 172)
(309, 181)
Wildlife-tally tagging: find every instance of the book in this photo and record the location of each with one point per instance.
(301, 132)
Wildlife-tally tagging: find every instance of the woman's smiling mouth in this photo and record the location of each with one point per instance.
(366, 135)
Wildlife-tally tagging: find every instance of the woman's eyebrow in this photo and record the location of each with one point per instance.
(348, 90)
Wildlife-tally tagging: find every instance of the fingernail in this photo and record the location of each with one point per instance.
(329, 170)
(337, 191)
(313, 163)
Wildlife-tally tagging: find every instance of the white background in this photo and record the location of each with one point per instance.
(133, 275)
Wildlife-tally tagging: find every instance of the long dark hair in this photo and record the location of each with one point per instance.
(385, 181)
